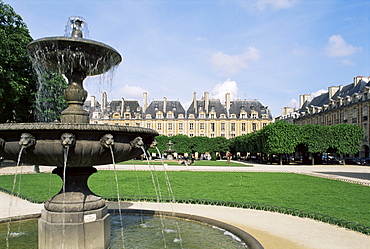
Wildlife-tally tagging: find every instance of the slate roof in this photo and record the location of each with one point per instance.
(323, 99)
(214, 105)
(249, 105)
(171, 105)
(131, 106)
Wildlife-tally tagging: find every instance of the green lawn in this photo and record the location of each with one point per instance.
(196, 163)
(339, 199)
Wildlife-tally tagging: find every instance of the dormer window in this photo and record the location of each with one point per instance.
(159, 115)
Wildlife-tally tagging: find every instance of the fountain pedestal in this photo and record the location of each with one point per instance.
(88, 229)
(75, 217)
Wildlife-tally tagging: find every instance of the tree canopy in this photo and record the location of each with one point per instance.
(17, 78)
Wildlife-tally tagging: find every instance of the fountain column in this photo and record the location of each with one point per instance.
(75, 96)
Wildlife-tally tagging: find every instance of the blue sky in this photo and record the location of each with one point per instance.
(270, 50)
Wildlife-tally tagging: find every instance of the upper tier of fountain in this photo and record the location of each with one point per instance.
(68, 55)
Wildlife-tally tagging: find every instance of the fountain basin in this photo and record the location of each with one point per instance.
(65, 55)
(90, 146)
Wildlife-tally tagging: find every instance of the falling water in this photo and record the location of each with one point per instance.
(158, 193)
(65, 157)
(169, 187)
(11, 197)
(118, 194)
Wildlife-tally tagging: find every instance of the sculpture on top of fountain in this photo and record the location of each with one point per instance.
(76, 27)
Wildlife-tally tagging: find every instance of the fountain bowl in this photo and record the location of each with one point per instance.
(88, 144)
(66, 55)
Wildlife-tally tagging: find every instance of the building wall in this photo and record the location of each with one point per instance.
(340, 108)
(207, 123)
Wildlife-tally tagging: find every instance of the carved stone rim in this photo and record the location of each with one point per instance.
(74, 127)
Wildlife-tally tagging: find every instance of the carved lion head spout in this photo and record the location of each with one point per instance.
(137, 142)
(153, 144)
(68, 139)
(27, 140)
(107, 140)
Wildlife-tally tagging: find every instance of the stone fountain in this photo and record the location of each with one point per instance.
(75, 217)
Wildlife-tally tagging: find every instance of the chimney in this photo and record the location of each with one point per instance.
(206, 101)
(164, 105)
(332, 90)
(104, 101)
(122, 107)
(145, 100)
(195, 102)
(227, 102)
(303, 98)
(357, 79)
(92, 103)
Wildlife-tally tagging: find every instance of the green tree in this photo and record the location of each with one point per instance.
(182, 143)
(315, 139)
(200, 144)
(280, 138)
(17, 78)
(50, 100)
(346, 138)
(219, 144)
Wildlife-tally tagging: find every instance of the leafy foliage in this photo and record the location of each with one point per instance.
(346, 138)
(280, 137)
(315, 138)
(50, 97)
(17, 78)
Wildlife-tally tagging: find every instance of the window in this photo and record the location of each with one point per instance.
(242, 115)
(212, 127)
(181, 126)
(201, 126)
(127, 116)
(169, 115)
(137, 124)
(201, 115)
(170, 126)
(159, 126)
(222, 126)
(254, 115)
(254, 126)
(243, 127)
(191, 126)
(159, 115)
(148, 126)
(212, 115)
(232, 127)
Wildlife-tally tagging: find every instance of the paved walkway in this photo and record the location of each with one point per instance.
(272, 230)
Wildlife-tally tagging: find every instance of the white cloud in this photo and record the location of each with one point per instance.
(338, 47)
(274, 4)
(229, 86)
(234, 63)
(133, 92)
(293, 103)
(318, 93)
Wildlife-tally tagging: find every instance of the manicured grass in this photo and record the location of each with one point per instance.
(339, 199)
(196, 163)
